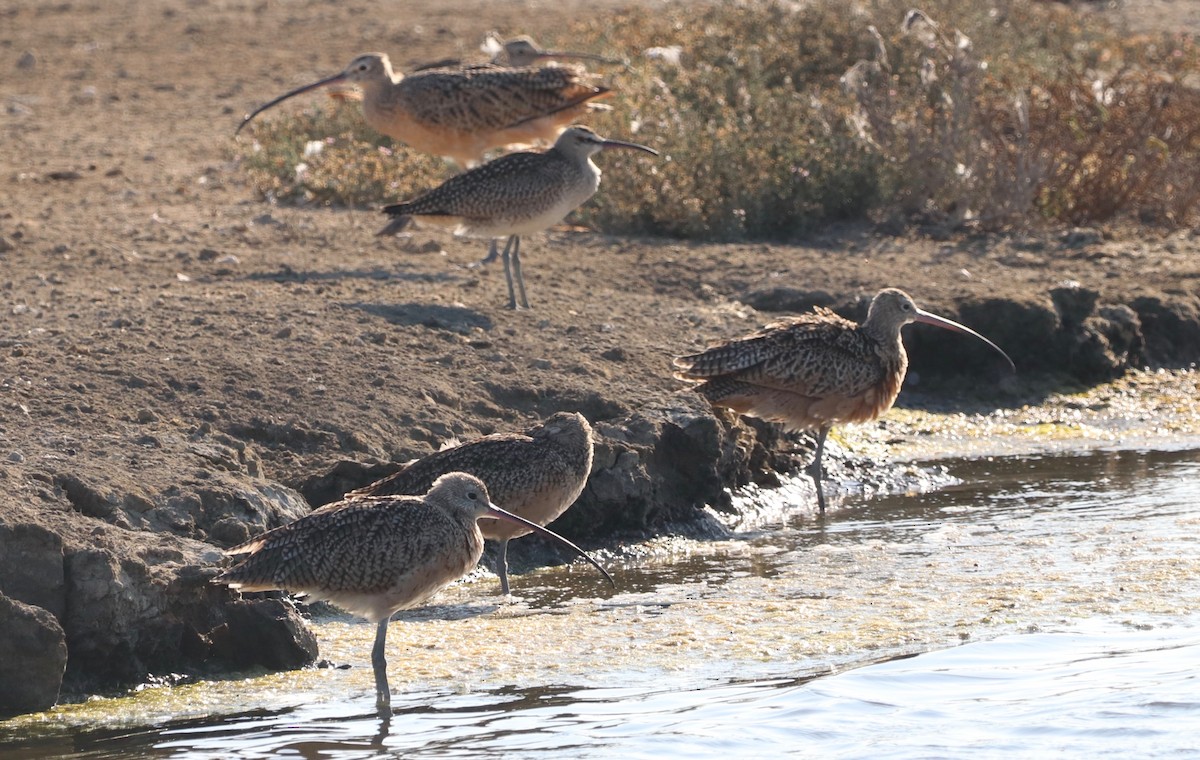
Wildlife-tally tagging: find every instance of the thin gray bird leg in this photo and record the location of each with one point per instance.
(814, 470)
(493, 252)
(505, 257)
(502, 566)
(383, 694)
(516, 262)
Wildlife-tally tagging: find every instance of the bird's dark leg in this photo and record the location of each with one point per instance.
(516, 262)
(383, 694)
(493, 253)
(505, 257)
(815, 471)
(502, 566)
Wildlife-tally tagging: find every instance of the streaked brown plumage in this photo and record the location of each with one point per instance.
(375, 556)
(514, 195)
(461, 113)
(536, 474)
(815, 370)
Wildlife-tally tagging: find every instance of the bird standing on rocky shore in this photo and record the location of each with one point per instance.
(536, 475)
(816, 370)
(376, 556)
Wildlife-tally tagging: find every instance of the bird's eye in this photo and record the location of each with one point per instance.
(472, 495)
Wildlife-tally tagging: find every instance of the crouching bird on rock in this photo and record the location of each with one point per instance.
(816, 370)
(536, 474)
(376, 556)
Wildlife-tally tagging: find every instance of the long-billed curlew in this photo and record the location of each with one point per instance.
(536, 474)
(816, 370)
(519, 52)
(514, 195)
(461, 113)
(376, 556)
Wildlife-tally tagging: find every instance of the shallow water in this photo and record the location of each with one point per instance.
(1070, 581)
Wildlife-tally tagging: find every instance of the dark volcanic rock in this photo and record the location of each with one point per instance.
(1069, 332)
(1170, 329)
(264, 632)
(126, 604)
(31, 566)
(35, 655)
(784, 298)
(662, 464)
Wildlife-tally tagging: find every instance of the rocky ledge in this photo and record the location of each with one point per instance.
(106, 584)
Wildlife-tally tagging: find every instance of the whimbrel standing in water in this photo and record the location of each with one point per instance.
(816, 370)
(376, 556)
(514, 195)
(536, 474)
(461, 113)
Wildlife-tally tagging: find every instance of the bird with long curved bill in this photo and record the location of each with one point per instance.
(816, 370)
(375, 556)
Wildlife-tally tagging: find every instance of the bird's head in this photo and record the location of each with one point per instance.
(368, 67)
(581, 141)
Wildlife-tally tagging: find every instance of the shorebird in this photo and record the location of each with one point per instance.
(816, 370)
(536, 475)
(461, 113)
(519, 52)
(514, 195)
(375, 556)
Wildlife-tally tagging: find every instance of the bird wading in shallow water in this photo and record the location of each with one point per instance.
(461, 113)
(376, 556)
(816, 370)
(514, 195)
(536, 475)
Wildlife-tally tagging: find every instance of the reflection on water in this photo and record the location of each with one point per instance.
(791, 639)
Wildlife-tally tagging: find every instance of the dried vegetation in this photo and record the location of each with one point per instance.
(778, 118)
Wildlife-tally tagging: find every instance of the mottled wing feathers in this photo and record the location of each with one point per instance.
(511, 465)
(362, 546)
(811, 355)
(492, 190)
(490, 98)
(477, 458)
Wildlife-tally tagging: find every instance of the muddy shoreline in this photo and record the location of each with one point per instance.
(183, 365)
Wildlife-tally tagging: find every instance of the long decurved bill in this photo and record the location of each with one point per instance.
(933, 319)
(610, 144)
(298, 91)
(497, 512)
